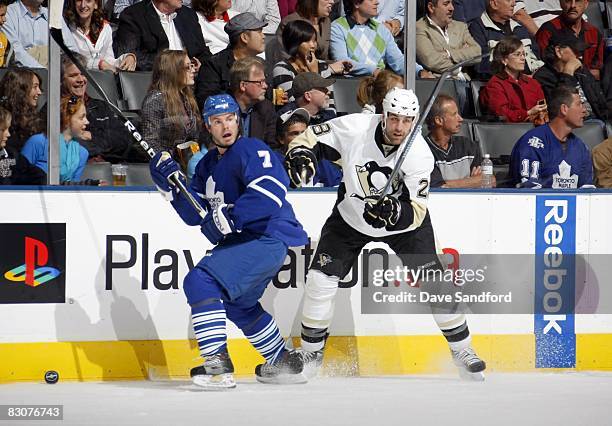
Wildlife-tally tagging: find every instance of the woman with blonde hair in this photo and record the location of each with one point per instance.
(170, 114)
(372, 90)
(73, 157)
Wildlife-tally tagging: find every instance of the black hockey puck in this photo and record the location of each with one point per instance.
(51, 377)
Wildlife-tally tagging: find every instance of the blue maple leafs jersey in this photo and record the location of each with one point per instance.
(540, 160)
(251, 178)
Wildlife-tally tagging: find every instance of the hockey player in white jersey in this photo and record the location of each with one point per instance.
(367, 146)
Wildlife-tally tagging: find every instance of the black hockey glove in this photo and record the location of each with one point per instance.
(383, 214)
(301, 164)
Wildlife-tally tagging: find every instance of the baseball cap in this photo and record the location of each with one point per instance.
(243, 22)
(284, 118)
(306, 81)
(565, 39)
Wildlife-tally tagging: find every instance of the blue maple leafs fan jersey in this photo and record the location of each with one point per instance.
(539, 160)
(249, 176)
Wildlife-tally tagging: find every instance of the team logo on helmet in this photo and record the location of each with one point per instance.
(372, 179)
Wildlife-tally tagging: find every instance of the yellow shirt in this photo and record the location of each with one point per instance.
(3, 48)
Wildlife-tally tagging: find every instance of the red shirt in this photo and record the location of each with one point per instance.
(503, 96)
(593, 56)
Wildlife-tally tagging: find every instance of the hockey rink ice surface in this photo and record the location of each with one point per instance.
(503, 399)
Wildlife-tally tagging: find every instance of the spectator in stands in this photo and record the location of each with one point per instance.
(457, 158)
(19, 92)
(571, 21)
(286, 7)
(290, 125)
(15, 169)
(73, 157)
(510, 94)
(316, 12)
(149, 27)
(564, 67)
(264, 10)
(299, 40)
(27, 28)
(245, 39)
(120, 5)
(469, 10)
(496, 23)
(4, 43)
(390, 13)
(106, 138)
(372, 90)
(212, 16)
(170, 114)
(312, 93)
(602, 164)
(94, 36)
(368, 44)
(442, 42)
(606, 82)
(551, 156)
(248, 86)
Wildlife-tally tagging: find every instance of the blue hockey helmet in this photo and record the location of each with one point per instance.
(219, 104)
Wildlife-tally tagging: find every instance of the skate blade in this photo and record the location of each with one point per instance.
(214, 383)
(284, 379)
(471, 377)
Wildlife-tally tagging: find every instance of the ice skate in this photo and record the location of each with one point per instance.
(288, 369)
(217, 373)
(470, 366)
(312, 362)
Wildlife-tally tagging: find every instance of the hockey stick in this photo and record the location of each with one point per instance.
(55, 29)
(416, 129)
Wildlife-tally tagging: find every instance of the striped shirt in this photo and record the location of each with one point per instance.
(284, 73)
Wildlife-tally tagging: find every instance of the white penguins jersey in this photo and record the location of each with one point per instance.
(351, 142)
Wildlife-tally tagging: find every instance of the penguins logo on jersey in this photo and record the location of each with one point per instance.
(372, 179)
(324, 259)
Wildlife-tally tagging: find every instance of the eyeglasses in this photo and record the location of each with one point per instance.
(517, 54)
(261, 83)
(190, 67)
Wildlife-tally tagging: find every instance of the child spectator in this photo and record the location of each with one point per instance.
(15, 169)
(94, 36)
(73, 157)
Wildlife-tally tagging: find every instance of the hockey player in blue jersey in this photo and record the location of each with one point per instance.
(551, 156)
(242, 185)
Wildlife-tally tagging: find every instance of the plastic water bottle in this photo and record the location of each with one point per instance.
(486, 169)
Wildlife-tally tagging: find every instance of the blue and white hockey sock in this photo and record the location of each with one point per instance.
(265, 337)
(209, 326)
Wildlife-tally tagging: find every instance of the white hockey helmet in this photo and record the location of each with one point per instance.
(401, 102)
